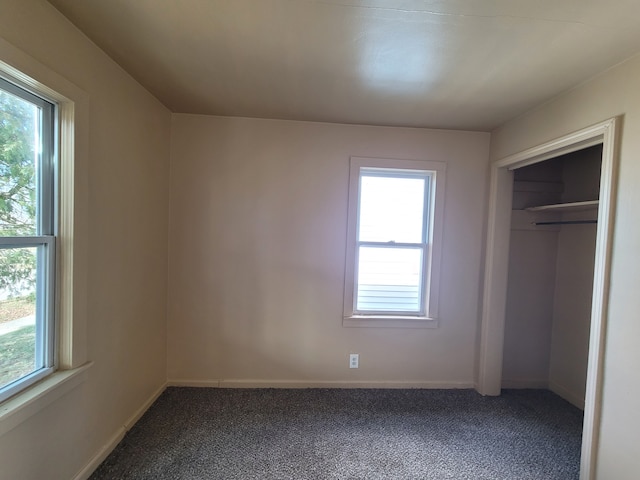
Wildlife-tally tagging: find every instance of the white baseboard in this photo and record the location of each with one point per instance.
(568, 395)
(525, 383)
(104, 452)
(141, 411)
(241, 383)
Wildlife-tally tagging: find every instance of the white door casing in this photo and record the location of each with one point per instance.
(497, 260)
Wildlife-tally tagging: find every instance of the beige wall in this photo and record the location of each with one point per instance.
(612, 93)
(572, 312)
(258, 217)
(257, 239)
(529, 308)
(128, 138)
(574, 280)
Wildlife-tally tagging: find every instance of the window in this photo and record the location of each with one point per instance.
(27, 238)
(393, 254)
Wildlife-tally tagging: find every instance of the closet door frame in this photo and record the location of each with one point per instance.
(491, 341)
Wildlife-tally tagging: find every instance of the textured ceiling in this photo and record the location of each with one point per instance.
(462, 64)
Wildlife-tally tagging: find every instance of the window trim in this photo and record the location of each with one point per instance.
(433, 250)
(73, 224)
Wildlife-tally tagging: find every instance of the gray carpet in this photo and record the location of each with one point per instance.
(200, 433)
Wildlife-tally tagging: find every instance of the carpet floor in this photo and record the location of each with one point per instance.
(202, 433)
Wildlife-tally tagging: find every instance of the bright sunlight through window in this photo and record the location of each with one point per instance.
(391, 240)
(391, 234)
(27, 241)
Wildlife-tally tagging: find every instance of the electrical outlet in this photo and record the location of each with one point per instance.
(354, 360)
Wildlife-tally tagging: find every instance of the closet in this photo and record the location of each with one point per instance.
(550, 275)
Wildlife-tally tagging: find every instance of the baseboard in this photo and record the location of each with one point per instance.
(241, 383)
(525, 383)
(104, 452)
(141, 411)
(193, 383)
(565, 393)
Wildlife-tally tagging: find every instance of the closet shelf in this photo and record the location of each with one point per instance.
(566, 207)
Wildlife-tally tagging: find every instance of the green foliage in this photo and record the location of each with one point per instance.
(17, 354)
(17, 270)
(18, 129)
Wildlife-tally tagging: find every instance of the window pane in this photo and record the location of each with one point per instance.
(17, 313)
(391, 209)
(18, 155)
(389, 279)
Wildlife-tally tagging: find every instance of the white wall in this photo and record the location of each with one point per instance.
(257, 234)
(126, 230)
(612, 93)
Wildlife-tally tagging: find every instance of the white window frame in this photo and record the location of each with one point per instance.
(427, 317)
(44, 239)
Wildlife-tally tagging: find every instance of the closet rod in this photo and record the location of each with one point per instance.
(566, 222)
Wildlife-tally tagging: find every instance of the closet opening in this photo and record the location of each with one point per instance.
(546, 273)
(550, 274)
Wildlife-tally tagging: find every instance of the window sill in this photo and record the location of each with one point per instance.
(19, 408)
(378, 321)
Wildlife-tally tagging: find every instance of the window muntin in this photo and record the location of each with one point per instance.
(27, 238)
(395, 227)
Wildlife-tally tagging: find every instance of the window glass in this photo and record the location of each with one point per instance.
(17, 314)
(391, 208)
(27, 240)
(391, 233)
(389, 279)
(19, 139)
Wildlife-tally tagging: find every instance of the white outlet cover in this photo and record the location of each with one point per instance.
(354, 360)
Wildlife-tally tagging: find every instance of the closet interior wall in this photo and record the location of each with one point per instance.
(548, 310)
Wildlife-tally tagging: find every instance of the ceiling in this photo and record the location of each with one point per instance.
(460, 64)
